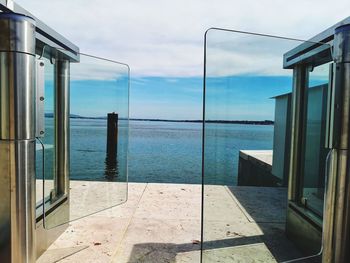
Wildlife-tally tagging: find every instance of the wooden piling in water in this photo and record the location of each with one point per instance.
(112, 136)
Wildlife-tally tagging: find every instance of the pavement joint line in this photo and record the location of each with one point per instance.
(69, 255)
(245, 213)
(117, 252)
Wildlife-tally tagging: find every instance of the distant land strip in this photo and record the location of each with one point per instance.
(264, 122)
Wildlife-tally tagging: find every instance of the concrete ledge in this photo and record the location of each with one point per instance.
(255, 169)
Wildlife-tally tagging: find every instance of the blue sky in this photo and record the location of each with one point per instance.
(166, 98)
(244, 97)
(162, 41)
(240, 97)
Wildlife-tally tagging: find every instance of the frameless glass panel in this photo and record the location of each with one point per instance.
(247, 131)
(314, 161)
(98, 129)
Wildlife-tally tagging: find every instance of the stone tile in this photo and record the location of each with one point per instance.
(56, 255)
(159, 240)
(174, 191)
(127, 209)
(90, 197)
(220, 204)
(262, 204)
(100, 234)
(161, 223)
(217, 231)
(248, 254)
(188, 257)
(82, 208)
(167, 201)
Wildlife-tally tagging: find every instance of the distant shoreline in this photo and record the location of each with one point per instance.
(264, 122)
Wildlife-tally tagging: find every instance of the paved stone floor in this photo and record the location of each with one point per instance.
(158, 223)
(161, 223)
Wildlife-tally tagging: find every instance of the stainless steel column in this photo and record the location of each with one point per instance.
(337, 214)
(62, 126)
(17, 139)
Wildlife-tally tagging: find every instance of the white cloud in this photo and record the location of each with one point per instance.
(165, 37)
(90, 68)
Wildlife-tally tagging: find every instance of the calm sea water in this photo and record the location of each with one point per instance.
(165, 152)
(171, 152)
(162, 152)
(222, 145)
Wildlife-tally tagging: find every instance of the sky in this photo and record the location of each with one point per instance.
(162, 41)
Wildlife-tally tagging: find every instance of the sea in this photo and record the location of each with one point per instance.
(156, 151)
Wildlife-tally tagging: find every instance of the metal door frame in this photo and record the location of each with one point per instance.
(22, 37)
(332, 44)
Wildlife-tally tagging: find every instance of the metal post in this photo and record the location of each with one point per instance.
(17, 138)
(62, 112)
(338, 212)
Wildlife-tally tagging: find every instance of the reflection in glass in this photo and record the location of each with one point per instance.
(246, 150)
(315, 139)
(98, 158)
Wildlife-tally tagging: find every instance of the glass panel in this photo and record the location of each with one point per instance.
(99, 130)
(315, 139)
(39, 175)
(45, 146)
(247, 129)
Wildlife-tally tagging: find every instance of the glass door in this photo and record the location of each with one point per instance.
(248, 94)
(314, 151)
(89, 137)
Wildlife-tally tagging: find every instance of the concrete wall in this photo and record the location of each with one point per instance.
(281, 138)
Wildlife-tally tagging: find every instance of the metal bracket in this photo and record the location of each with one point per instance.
(40, 99)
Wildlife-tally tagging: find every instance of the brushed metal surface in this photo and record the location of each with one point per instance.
(5, 204)
(341, 107)
(341, 44)
(341, 226)
(45, 36)
(40, 99)
(329, 213)
(17, 33)
(45, 236)
(305, 235)
(337, 214)
(17, 139)
(17, 192)
(17, 111)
